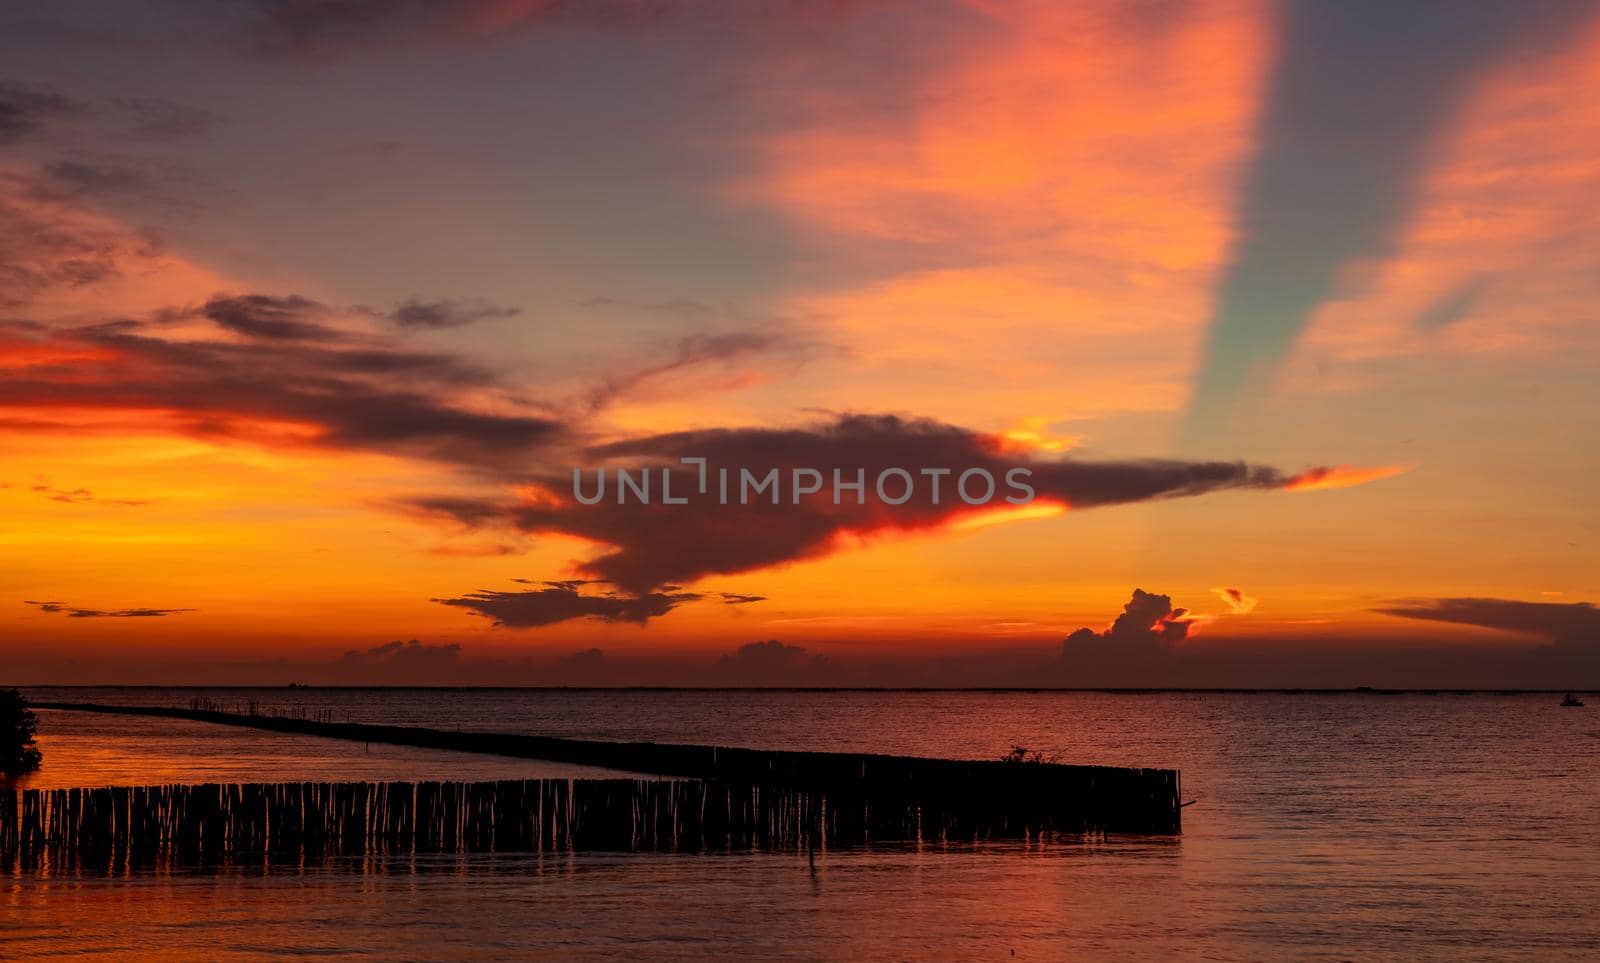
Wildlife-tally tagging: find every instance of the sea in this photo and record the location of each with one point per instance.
(1329, 826)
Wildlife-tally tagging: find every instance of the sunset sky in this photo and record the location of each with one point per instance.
(309, 310)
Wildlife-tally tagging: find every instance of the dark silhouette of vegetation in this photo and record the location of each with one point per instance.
(1023, 756)
(18, 724)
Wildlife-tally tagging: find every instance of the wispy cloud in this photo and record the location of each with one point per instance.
(73, 612)
(271, 317)
(1343, 476)
(696, 351)
(1567, 624)
(1237, 602)
(289, 369)
(26, 109)
(448, 313)
(82, 496)
(562, 601)
(1359, 95)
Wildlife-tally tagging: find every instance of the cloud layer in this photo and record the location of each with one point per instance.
(656, 544)
(282, 367)
(1572, 625)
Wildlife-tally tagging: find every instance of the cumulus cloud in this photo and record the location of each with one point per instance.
(1148, 623)
(73, 612)
(412, 659)
(769, 663)
(415, 662)
(580, 663)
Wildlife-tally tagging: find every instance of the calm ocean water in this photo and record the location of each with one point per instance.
(1326, 827)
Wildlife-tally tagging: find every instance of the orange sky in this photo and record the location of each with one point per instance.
(293, 357)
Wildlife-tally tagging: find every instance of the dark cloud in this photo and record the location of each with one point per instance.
(356, 391)
(377, 398)
(414, 662)
(159, 117)
(1148, 627)
(1564, 624)
(1358, 96)
(287, 318)
(571, 584)
(770, 663)
(25, 109)
(734, 598)
(73, 612)
(466, 511)
(410, 660)
(1141, 647)
(448, 313)
(275, 361)
(658, 544)
(561, 602)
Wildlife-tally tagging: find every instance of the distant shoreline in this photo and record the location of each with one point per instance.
(1155, 690)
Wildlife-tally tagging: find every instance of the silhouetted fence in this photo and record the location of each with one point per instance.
(123, 826)
(717, 796)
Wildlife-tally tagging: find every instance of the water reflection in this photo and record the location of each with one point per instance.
(943, 900)
(1334, 827)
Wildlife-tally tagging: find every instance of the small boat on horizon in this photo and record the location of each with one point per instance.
(1571, 700)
